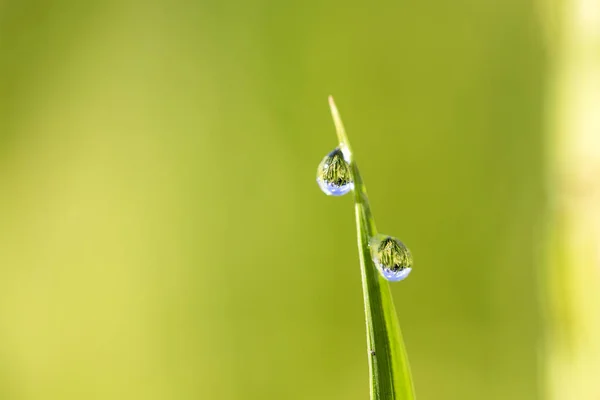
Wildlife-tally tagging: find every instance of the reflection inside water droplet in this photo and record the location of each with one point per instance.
(334, 175)
(391, 256)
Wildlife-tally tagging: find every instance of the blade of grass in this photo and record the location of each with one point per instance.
(390, 376)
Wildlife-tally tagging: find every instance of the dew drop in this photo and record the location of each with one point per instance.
(334, 175)
(391, 256)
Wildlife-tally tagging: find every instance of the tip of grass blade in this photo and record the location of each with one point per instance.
(339, 126)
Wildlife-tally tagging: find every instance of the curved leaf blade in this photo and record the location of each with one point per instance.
(390, 375)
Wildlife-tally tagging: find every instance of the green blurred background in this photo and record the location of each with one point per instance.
(162, 235)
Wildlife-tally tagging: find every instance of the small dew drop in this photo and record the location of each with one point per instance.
(391, 256)
(334, 175)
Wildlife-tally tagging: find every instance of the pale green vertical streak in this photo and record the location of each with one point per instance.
(574, 240)
(390, 376)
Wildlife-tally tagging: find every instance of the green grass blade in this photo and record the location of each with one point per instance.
(390, 376)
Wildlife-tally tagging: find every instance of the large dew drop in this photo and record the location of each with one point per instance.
(334, 175)
(392, 257)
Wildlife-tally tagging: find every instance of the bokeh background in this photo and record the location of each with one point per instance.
(161, 232)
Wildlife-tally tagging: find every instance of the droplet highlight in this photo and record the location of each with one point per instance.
(391, 257)
(334, 174)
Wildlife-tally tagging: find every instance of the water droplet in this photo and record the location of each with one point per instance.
(391, 256)
(334, 175)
